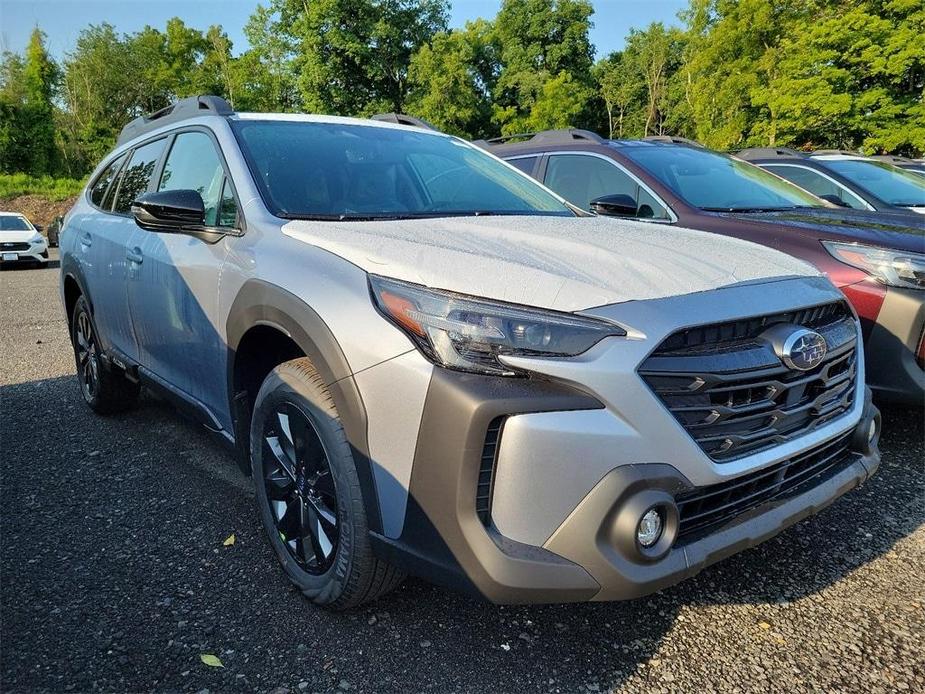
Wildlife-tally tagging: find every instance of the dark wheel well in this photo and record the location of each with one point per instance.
(71, 294)
(259, 351)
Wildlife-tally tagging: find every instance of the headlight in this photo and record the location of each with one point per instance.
(893, 268)
(469, 334)
(38, 239)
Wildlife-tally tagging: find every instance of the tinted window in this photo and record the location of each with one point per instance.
(525, 164)
(817, 184)
(98, 192)
(346, 171)
(193, 164)
(580, 178)
(886, 181)
(9, 223)
(714, 181)
(137, 174)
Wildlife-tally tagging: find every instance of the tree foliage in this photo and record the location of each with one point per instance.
(802, 73)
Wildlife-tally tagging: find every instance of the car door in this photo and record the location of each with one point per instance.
(174, 289)
(582, 177)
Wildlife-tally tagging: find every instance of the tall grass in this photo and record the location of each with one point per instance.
(13, 185)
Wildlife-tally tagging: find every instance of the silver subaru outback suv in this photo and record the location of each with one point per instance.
(431, 364)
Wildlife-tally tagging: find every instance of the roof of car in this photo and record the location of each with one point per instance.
(578, 138)
(11, 214)
(207, 105)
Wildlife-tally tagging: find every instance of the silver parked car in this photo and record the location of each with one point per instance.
(432, 364)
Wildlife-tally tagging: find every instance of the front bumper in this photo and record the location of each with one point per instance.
(579, 441)
(894, 348)
(36, 254)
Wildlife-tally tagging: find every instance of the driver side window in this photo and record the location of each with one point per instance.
(817, 184)
(193, 164)
(581, 178)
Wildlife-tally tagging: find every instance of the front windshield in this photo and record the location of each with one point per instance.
(889, 183)
(9, 223)
(344, 171)
(716, 182)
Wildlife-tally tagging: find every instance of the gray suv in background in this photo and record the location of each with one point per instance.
(432, 364)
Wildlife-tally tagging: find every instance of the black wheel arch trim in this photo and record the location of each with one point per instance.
(261, 303)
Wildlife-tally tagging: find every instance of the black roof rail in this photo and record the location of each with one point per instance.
(673, 140)
(551, 137)
(769, 153)
(403, 119)
(836, 151)
(177, 111)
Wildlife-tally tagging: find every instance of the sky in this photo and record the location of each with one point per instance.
(62, 20)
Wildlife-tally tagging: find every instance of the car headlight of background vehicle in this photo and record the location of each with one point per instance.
(469, 334)
(893, 268)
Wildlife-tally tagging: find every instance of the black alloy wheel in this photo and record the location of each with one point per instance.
(88, 357)
(300, 488)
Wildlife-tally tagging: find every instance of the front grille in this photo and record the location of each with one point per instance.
(719, 335)
(732, 393)
(487, 470)
(704, 509)
(14, 246)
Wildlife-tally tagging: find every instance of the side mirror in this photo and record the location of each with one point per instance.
(170, 210)
(834, 199)
(39, 228)
(619, 205)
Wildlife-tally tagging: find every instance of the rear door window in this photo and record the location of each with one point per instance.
(104, 182)
(136, 177)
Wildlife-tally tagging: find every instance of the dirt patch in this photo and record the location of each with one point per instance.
(37, 209)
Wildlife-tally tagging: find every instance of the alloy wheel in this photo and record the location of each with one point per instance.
(300, 488)
(88, 359)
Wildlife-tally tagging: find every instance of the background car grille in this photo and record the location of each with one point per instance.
(14, 246)
(733, 394)
(487, 470)
(701, 510)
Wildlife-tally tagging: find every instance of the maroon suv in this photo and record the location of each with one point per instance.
(876, 258)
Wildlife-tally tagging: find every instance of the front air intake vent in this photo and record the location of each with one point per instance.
(487, 470)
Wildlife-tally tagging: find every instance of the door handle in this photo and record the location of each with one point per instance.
(86, 239)
(135, 256)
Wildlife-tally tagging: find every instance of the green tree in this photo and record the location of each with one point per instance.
(352, 56)
(621, 89)
(35, 118)
(541, 41)
(451, 80)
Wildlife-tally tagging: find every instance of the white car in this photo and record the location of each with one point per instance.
(21, 241)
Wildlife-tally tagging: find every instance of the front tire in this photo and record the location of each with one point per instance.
(308, 491)
(105, 390)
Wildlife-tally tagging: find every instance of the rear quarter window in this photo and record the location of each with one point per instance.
(103, 182)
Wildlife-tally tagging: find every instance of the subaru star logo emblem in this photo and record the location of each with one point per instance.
(803, 349)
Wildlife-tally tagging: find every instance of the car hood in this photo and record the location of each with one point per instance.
(16, 236)
(563, 263)
(900, 230)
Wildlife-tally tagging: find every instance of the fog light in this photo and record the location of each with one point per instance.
(872, 430)
(650, 528)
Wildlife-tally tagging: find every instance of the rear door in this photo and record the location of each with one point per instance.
(173, 288)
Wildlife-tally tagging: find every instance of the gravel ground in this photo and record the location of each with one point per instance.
(115, 576)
